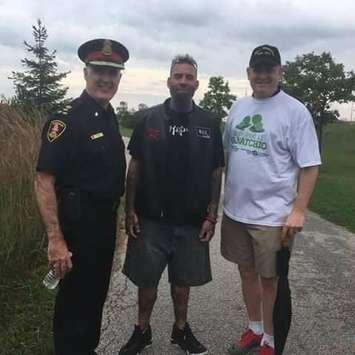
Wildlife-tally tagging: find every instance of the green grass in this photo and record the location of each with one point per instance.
(334, 195)
(126, 132)
(26, 313)
(25, 305)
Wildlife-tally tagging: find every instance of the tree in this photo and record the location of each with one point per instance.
(39, 85)
(318, 81)
(218, 98)
(127, 118)
(142, 107)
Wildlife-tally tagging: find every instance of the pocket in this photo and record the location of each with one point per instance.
(70, 206)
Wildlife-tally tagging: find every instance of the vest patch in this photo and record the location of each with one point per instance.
(152, 134)
(175, 130)
(203, 132)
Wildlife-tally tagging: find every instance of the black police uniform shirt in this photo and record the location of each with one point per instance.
(177, 164)
(82, 147)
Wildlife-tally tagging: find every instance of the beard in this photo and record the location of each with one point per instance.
(182, 96)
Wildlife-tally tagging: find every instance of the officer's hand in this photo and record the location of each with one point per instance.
(207, 231)
(58, 255)
(294, 224)
(132, 225)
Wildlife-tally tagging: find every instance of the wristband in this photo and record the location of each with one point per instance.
(211, 219)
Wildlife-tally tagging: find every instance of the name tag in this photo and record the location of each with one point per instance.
(96, 135)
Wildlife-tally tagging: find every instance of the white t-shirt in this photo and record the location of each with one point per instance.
(266, 141)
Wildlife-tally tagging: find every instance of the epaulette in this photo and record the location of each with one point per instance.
(64, 111)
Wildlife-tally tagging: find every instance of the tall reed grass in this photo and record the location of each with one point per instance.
(25, 306)
(21, 234)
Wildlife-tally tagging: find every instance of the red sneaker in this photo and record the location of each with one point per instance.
(248, 341)
(266, 350)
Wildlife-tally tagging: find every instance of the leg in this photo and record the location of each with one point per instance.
(237, 247)
(146, 259)
(180, 297)
(269, 289)
(146, 301)
(82, 293)
(188, 266)
(251, 292)
(79, 304)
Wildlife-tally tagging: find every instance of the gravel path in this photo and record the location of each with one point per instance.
(322, 277)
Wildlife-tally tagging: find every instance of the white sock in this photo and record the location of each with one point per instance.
(268, 339)
(256, 327)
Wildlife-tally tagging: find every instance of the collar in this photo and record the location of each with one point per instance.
(274, 94)
(87, 99)
(173, 114)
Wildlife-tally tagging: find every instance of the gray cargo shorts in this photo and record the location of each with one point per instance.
(160, 244)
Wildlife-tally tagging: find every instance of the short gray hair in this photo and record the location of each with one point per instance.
(183, 59)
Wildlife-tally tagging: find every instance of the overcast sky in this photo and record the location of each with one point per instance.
(219, 34)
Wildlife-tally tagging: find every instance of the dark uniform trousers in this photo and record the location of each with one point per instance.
(89, 227)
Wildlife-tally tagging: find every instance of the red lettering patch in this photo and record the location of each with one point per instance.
(152, 134)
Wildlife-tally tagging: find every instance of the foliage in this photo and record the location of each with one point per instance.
(318, 81)
(128, 118)
(39, 85)
(26, 307)
(334, 195)
(218, 98)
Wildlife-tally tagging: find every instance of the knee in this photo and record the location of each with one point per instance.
(269, 284)
(148, 294)
(248, 274)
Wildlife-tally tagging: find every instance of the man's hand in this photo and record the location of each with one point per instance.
(58, 255)
(295, 221)
(207, 231)
(132, 224)
(294, 224)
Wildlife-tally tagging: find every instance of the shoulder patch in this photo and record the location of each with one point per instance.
(55, 130)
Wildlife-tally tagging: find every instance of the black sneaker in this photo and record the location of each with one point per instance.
(138, 341)
(187, 341)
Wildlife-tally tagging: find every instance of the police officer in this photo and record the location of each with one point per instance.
(80, 178)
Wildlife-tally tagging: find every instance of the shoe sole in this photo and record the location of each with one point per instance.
(253, 349)
(186, 351)
(145, 348)
(141, 350)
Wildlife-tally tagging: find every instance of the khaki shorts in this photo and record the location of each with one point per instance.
(251, 246)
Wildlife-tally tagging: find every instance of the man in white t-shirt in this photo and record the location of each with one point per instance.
(272, 165)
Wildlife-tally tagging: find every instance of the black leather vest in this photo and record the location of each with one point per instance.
(153, 184)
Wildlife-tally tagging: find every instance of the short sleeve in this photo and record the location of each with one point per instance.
(227, 129)
(304, 141)
(135, 145)
(56, 146)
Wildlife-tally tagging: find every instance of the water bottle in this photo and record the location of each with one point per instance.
(51, 280)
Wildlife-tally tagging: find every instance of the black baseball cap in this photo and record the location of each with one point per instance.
(265, 55)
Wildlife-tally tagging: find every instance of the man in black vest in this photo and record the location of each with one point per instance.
(173, 190)
(80, 178)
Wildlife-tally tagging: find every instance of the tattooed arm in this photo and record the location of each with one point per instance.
(208, 226)
(132, 223)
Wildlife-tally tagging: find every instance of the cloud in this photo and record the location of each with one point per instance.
(219, 34)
